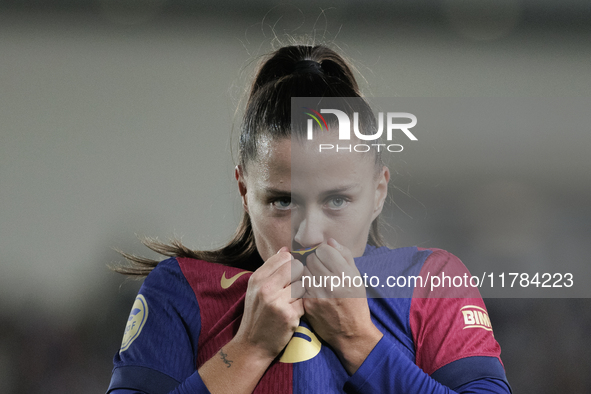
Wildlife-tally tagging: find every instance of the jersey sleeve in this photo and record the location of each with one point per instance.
(451, 329)
(159, 347)
(387, 370)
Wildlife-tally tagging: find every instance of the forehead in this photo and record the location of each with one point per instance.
(300, 163)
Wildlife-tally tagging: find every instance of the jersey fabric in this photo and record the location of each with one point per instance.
(434, 341)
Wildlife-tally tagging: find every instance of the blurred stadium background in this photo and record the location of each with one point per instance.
(115, 121)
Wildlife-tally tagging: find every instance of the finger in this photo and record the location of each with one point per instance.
(316, 266)
(325, 261)
(275, 274)
(317, 292)
(297, 269)
(284, 275)
(343, 250)
(335, 260)
(274, 262)
(285, 296)
(298, 306)
(311, 284)
(297, 290)
(306, 277)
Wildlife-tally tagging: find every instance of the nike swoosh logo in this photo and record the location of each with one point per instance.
(227, 282)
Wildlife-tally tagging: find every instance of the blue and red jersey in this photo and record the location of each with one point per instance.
(188, 309)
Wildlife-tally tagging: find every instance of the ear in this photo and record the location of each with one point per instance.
(239, 175)
(381, 191)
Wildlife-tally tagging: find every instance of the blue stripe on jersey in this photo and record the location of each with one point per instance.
(390, 316)
(387, 265)
(385, 371)
(321, 374)
(143, 379)
(325, 373)
(467, 369)
(390, 307)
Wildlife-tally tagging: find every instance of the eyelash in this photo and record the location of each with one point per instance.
(345, 202)
(275, 202)
(280, 199)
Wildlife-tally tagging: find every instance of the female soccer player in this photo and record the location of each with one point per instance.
(243, 319)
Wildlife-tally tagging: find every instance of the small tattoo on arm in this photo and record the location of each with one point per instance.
(224, 359)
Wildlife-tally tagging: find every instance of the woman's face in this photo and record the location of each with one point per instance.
(299, 197)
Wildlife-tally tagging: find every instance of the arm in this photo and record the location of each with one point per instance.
(270, 318)
(441, 342)
(158, 347)
(341, 315)
(245, 372)
(192, 385)
(239, 364)
(487, 385)
(386, 370)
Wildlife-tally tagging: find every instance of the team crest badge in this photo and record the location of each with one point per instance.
(135, 323)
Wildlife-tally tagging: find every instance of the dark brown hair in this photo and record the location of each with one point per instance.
(291, 71)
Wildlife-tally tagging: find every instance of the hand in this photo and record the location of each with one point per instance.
(340, 316)
(271, 315)
(269, 320)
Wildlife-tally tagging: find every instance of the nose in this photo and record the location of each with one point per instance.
(309, 229)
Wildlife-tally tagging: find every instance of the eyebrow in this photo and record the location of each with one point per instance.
(276, 192)
(339, 190)
(270, 191)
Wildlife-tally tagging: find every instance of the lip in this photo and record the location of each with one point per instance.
(301, 254)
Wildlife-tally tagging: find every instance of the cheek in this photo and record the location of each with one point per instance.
(355, 224)
(271, 233)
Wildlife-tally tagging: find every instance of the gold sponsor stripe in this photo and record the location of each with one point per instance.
(474, 306)
(479, 326)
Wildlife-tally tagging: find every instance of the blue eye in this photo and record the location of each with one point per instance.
(282, 203)
(337, 203)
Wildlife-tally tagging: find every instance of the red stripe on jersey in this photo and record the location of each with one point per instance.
(450, 322)
(220, 295)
